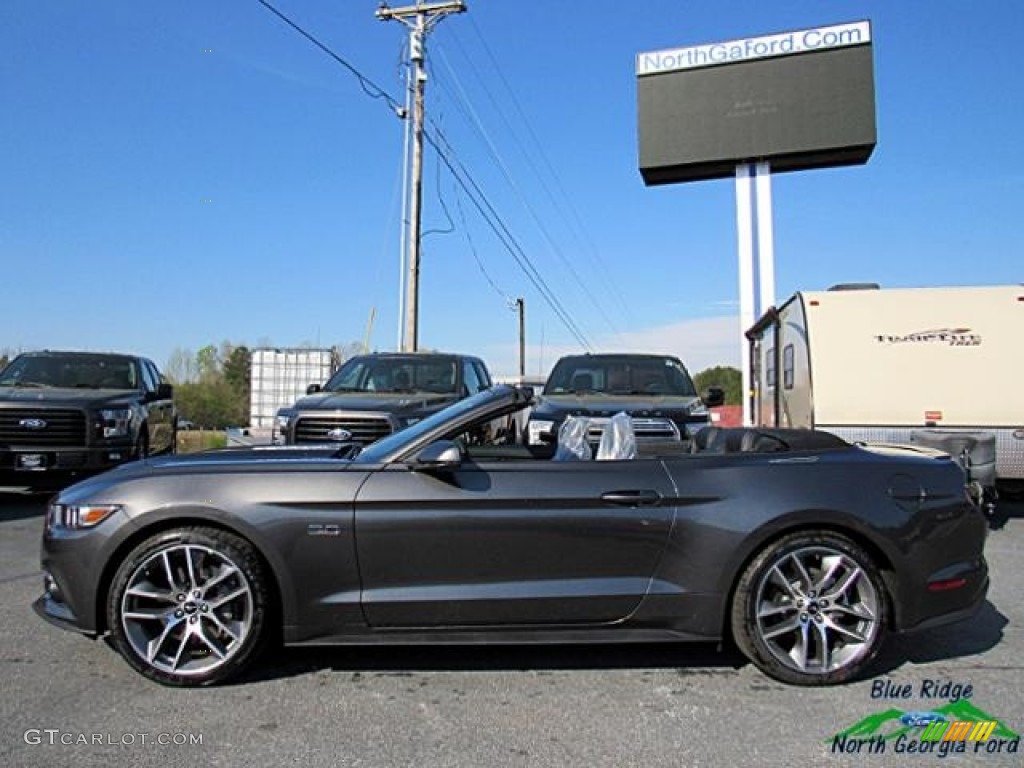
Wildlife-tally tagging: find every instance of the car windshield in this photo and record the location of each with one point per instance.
(72, 371)
(620, 376)
(398, 374)
(380, 450)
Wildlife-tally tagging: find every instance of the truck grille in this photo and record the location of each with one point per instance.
(61, 427)
(643, 428)
(365, 428)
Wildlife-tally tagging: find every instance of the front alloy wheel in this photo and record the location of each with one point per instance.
(811, 609)
(188, 606)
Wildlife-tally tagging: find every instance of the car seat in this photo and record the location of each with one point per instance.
(582, 382)
(400, 380)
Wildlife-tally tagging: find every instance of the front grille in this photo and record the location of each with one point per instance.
(62, 427)
(643, 428)
(365, 428)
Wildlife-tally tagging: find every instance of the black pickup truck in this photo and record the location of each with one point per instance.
(68, 414)
(655, 390)
(371, 396)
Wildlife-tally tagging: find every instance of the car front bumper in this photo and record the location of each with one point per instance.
(52, 468)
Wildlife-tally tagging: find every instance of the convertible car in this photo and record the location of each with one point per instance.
(803, 550)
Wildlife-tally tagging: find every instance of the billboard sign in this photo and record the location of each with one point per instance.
(799, 100)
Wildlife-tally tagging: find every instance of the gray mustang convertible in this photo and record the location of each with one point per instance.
(804, 550)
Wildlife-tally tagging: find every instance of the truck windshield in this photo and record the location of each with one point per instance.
(371, 374)
(620, 376)
(72, 371)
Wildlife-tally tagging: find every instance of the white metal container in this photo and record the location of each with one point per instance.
(280, 377)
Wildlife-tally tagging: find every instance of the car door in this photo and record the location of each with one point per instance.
(160, 410)
(511, 542)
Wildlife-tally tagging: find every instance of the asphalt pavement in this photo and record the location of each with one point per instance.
(67, 700)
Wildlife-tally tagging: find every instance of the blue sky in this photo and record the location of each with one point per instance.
(180, 173)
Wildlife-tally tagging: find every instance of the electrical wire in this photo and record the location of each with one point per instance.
(444, 208)
(369, 87)
(476, 256)
(462, 177)
(483, 205)
(477, 123)
(581, 230)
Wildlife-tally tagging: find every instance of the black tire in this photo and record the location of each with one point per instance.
(188, 607)
(811, 609)
(142, 445)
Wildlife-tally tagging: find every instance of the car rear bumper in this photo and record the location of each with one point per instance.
(954, 594)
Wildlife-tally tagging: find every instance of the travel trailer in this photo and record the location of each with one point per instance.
(919, 365)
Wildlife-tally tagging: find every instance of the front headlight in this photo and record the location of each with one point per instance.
(117, 422)
(281, 421)
(75, 517)
(535, 429)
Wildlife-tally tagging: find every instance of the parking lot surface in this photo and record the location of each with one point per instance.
(68, 700)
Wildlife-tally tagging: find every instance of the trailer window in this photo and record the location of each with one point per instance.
(787, 366)
(769, 367)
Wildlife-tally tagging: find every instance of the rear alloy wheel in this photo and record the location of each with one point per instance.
(188, 606)
(811, 609)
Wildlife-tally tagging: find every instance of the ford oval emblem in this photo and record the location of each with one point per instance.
(32, 424)
(339, 434)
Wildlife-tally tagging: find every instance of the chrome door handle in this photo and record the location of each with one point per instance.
(631, 498)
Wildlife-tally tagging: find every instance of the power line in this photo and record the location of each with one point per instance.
(575, 217)
(476, 256)
(490, 215)
(476, 122)
(462, 177)
(369, 87)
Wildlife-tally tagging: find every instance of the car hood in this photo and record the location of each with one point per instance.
(265, 459)
(400, 404)
(264, 456)
(557, 407)
(57, 397)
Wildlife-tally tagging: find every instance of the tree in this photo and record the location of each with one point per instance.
(6, 355)
(210, 403)
(213, 386)
(208, 362)
(724, 376)
(181, 366)
(237, 367)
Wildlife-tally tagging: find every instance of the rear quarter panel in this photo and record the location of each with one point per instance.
(732, 506)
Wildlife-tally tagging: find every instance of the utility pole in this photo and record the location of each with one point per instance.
(521, 308)
(420, 20)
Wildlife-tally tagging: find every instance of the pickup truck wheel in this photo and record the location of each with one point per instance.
(811, 609)
(142, 445)
(188, 606)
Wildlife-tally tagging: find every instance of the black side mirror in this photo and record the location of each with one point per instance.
(443, 454)
(714, 396)
(164, 391)
(312, 389)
